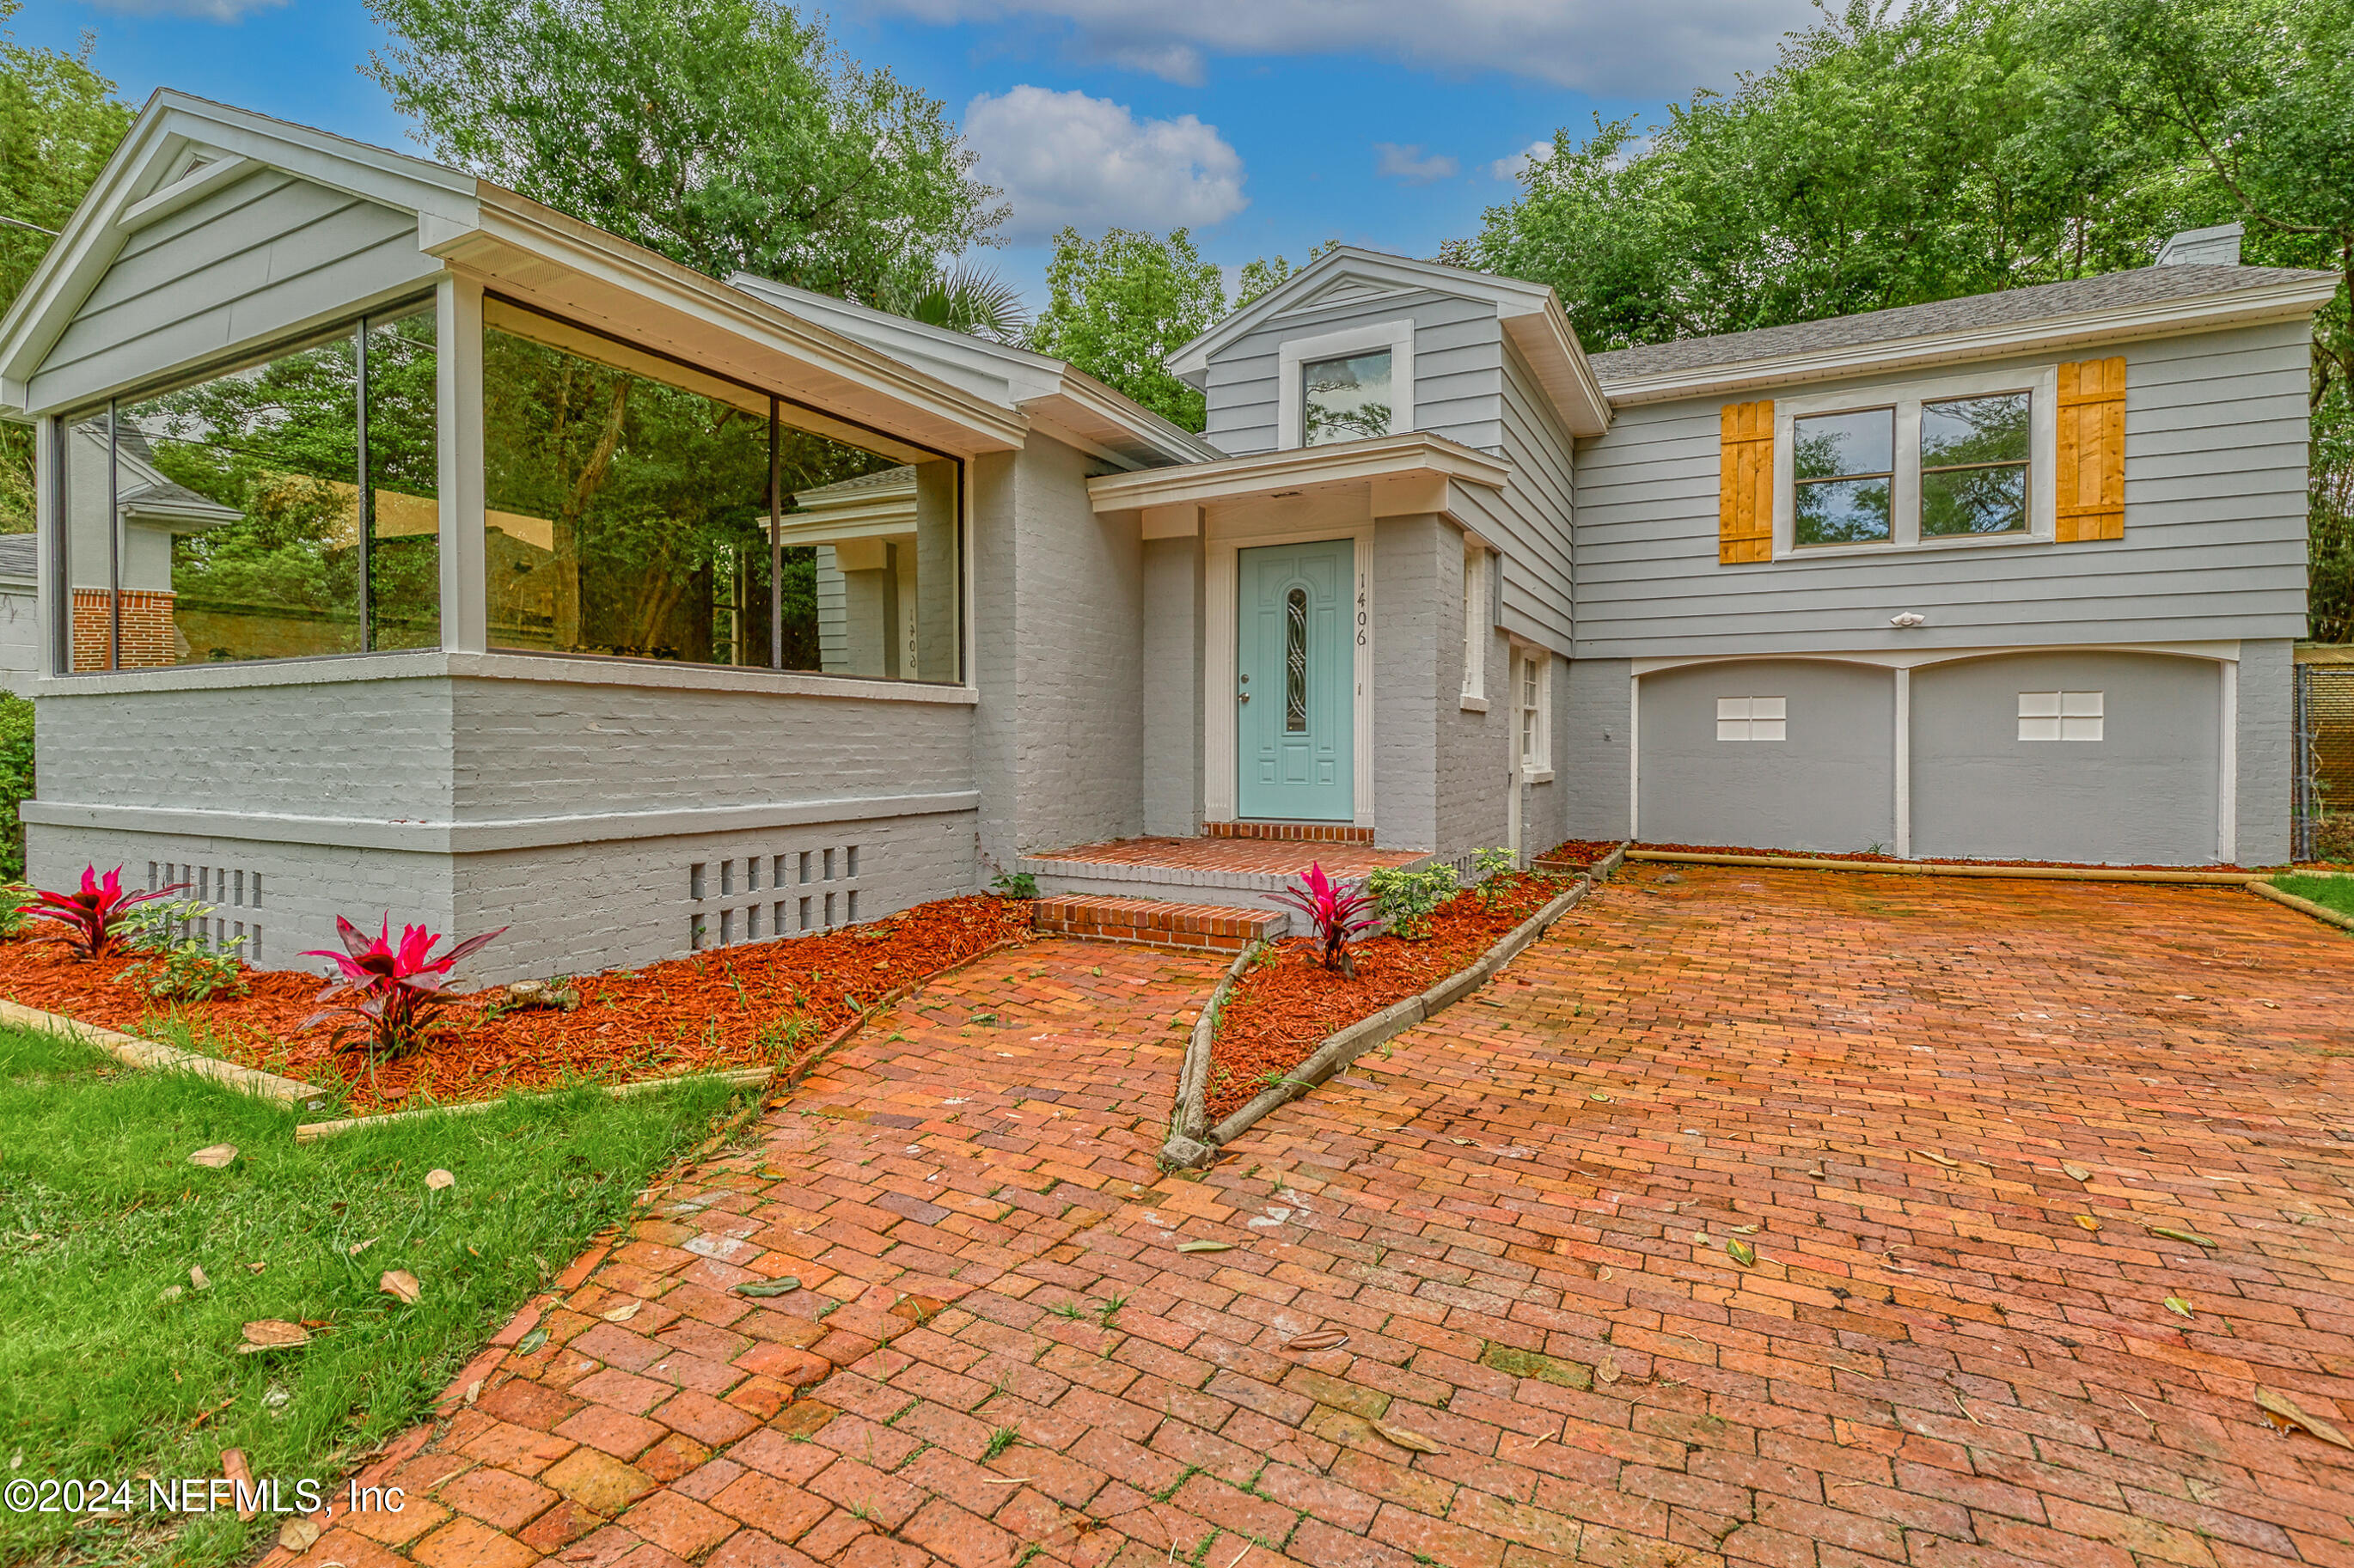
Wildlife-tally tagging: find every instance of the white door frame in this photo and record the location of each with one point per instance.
(1220, 756)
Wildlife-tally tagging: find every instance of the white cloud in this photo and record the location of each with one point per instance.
(1393, 162)
(1065, 158)
(1665, 48)
(202, 10)
(1519, 162)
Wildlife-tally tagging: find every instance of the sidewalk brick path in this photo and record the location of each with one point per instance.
(1519, 1215)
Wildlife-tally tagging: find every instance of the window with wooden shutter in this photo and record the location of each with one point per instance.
(1744, 515)
(2091, 481)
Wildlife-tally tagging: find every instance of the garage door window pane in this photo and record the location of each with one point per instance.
(1752, 718)
(2060, 716)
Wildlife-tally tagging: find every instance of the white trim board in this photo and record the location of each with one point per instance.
(1221, 583)
(1909, 659)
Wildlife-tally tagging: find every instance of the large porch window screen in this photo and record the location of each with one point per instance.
(638, 508)
(284, 508)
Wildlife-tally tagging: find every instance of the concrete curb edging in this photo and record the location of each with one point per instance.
(133, 1052)
(2302, 906)
(1928, 868)
(1193, 1149)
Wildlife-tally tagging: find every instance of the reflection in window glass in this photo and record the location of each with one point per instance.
(1844, 463)
(404, 561)
(1345, 399)
(1973, 466)
(628, 513)
(1295, 661)
(224, 520)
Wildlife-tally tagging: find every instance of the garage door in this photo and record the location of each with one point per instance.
(2105, 758)
(1770, 754)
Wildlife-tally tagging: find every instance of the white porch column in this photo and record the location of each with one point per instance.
(458, 395)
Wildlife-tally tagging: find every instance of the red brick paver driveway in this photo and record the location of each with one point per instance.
(1520, 1216)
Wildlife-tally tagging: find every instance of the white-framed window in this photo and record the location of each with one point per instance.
(2060, 716)
(1752, 719)
(1531, 711)
(1960, 460)
(1476, 621)
(1346, 386)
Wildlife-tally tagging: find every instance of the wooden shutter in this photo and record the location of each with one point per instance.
(2090, 483)
(1744, 501)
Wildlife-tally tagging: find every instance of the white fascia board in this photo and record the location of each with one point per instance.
(516, 242)
(1104, 421)
(1546, 341)
(169, 124)
(1265, 473)
(2203, 312)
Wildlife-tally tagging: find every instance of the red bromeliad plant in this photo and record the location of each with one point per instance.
(1338, 913)
(393, 990)
(97, 916)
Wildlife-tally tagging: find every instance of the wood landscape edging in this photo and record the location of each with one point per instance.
(132, 1050)
(1194, 1143)
(2302, 906)
(1933, 868)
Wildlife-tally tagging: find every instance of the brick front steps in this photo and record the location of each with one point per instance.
(1187, 927)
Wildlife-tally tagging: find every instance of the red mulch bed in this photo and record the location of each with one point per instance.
(682, 1015)
(1579, 852)
(1918, 859)
(1282, 1009)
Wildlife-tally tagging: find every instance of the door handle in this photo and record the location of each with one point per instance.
(1242, 696)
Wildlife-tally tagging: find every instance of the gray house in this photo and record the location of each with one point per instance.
(406, 546)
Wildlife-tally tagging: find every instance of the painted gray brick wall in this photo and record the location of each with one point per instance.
(1173, 717)
(1408, 656)
(2267, 704)
(1591, 739)
(529, 747)
(2213, 546)
(262, 256)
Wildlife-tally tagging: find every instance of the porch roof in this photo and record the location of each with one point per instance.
(1410, 456)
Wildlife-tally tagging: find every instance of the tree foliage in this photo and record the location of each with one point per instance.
(1896, 155)
(59, 121)
(724, 133)
(1117, 308)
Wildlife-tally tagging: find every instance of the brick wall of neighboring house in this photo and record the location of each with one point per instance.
(149, 638)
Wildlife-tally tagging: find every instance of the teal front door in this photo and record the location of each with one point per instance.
(1296, 683)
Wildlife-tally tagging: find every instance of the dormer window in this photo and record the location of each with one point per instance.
(1346, 398)
(1354, 384)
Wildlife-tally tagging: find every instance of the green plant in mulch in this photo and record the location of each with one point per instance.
(116, 1359)
(1014, 885)
(16, 780)
(2335, 893)
(1406, 900)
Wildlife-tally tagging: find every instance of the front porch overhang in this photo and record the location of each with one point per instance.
(1413, 472)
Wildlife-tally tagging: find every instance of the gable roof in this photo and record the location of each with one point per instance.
(2142, 301)
(1530, 315)
(1084, 412)
(181, 148)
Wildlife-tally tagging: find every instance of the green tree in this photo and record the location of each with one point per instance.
(2258, 95)
(724, 133)
(1258, 276)
(1118, 307)
(59, 121)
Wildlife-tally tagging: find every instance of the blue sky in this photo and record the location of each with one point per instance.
(1266, 126)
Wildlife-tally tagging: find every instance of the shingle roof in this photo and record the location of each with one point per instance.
(2012, 307)
(16, 555)
(875, 481)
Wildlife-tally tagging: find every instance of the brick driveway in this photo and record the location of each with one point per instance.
(1520, 1217)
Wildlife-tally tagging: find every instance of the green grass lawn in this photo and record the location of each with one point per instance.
(2331, 892)
(100, 1215)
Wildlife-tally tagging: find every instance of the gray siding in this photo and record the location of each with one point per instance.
(262, 256)
(1458, 358)
(2213, 545)
(1539, 513)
